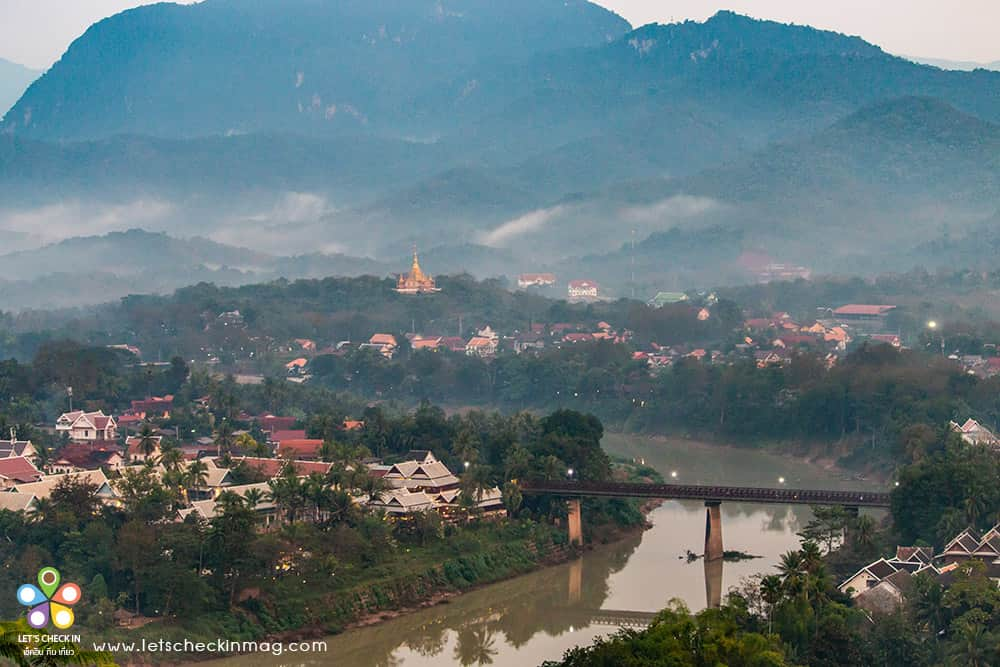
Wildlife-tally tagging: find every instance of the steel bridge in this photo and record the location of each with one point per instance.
(709, 494)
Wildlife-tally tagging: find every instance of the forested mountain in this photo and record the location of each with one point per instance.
(316, 66)
(546, 131)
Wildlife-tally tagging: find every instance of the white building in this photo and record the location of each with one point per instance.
(87, 426)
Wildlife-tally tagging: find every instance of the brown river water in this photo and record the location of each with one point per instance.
(537, 617)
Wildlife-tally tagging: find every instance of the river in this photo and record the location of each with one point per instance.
(537, 617)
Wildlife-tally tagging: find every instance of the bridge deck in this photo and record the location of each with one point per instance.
(745, 494)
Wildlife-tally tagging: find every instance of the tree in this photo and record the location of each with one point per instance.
(146, 441)
(771, 591)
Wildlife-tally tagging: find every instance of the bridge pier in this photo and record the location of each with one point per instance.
(713, 583)
(713, 530)
(576, 581)
(574, 522)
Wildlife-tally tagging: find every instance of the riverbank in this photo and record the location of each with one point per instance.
(480, 555)
(821, 456)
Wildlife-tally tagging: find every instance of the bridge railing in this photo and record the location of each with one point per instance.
(709, 493)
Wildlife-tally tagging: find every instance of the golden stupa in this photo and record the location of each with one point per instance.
(416, 281)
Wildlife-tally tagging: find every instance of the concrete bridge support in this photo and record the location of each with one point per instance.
(576, 581)
(713, 530)
(574, 523)
(713, 583)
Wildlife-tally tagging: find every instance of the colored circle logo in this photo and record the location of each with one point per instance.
(48, 602)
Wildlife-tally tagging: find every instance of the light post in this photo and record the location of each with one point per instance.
(933, 327)
(569, 474)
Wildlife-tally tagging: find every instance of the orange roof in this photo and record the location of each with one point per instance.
(480, 341)
(353, 424)
(304, 448)
(382, 339)
(272, 467)
(297, 363)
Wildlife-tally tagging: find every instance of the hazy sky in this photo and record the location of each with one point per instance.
(37, 32)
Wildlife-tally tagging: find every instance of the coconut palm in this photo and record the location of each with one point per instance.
(812, 557)
(171, 458)
(224, 438)
(791, 569)
(146, 441)
(770, 591)
(373, 487)
(253, 498)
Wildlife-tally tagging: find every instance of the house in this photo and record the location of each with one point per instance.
(526, 280)
(403, 501)
(296, 365)
(289, 434)
(665, 298)
(18, 502)
(975, 433)
(134, 452)
(80, 456)
(232, 318)
(216, 480)
(574, 338)
(864, 317)
(582, 289)
(704, 314)
(154, 406)
(481, 346)
(270, 423)
(353, 424)
(867, 577)
(529, 341)
(421, 343)
(266, 509)
(426, 474)
(17, 470)
(962, 547)
(43, 489)
(83, 426)
(453, 344)
(305, 449)
(886, 596)
(271, 468)
(384, 344)
(15, 447)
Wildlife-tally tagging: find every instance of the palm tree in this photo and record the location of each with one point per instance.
(812, 557)
(316, 489)
(224, 437)
(146, 441)
(791, 570)
(253, 498)
(863, 535)
(195, 477)
(770, 591)
(287, 493)
(373, 487)
(171, 458)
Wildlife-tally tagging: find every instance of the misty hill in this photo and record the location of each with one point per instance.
(14, 80)
(319, 66)
(962, 65)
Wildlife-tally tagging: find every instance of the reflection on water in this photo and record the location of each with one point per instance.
(540, 615)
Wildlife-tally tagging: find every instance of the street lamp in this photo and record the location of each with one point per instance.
(569, 473)
(466, 464)
(933, 326)
(781, 480)
(673, 474)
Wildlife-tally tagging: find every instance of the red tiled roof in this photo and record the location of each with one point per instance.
(353, 424)
(303, 448)
(19, 469)
(292, 434)
(582, 284)
(273, 422)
